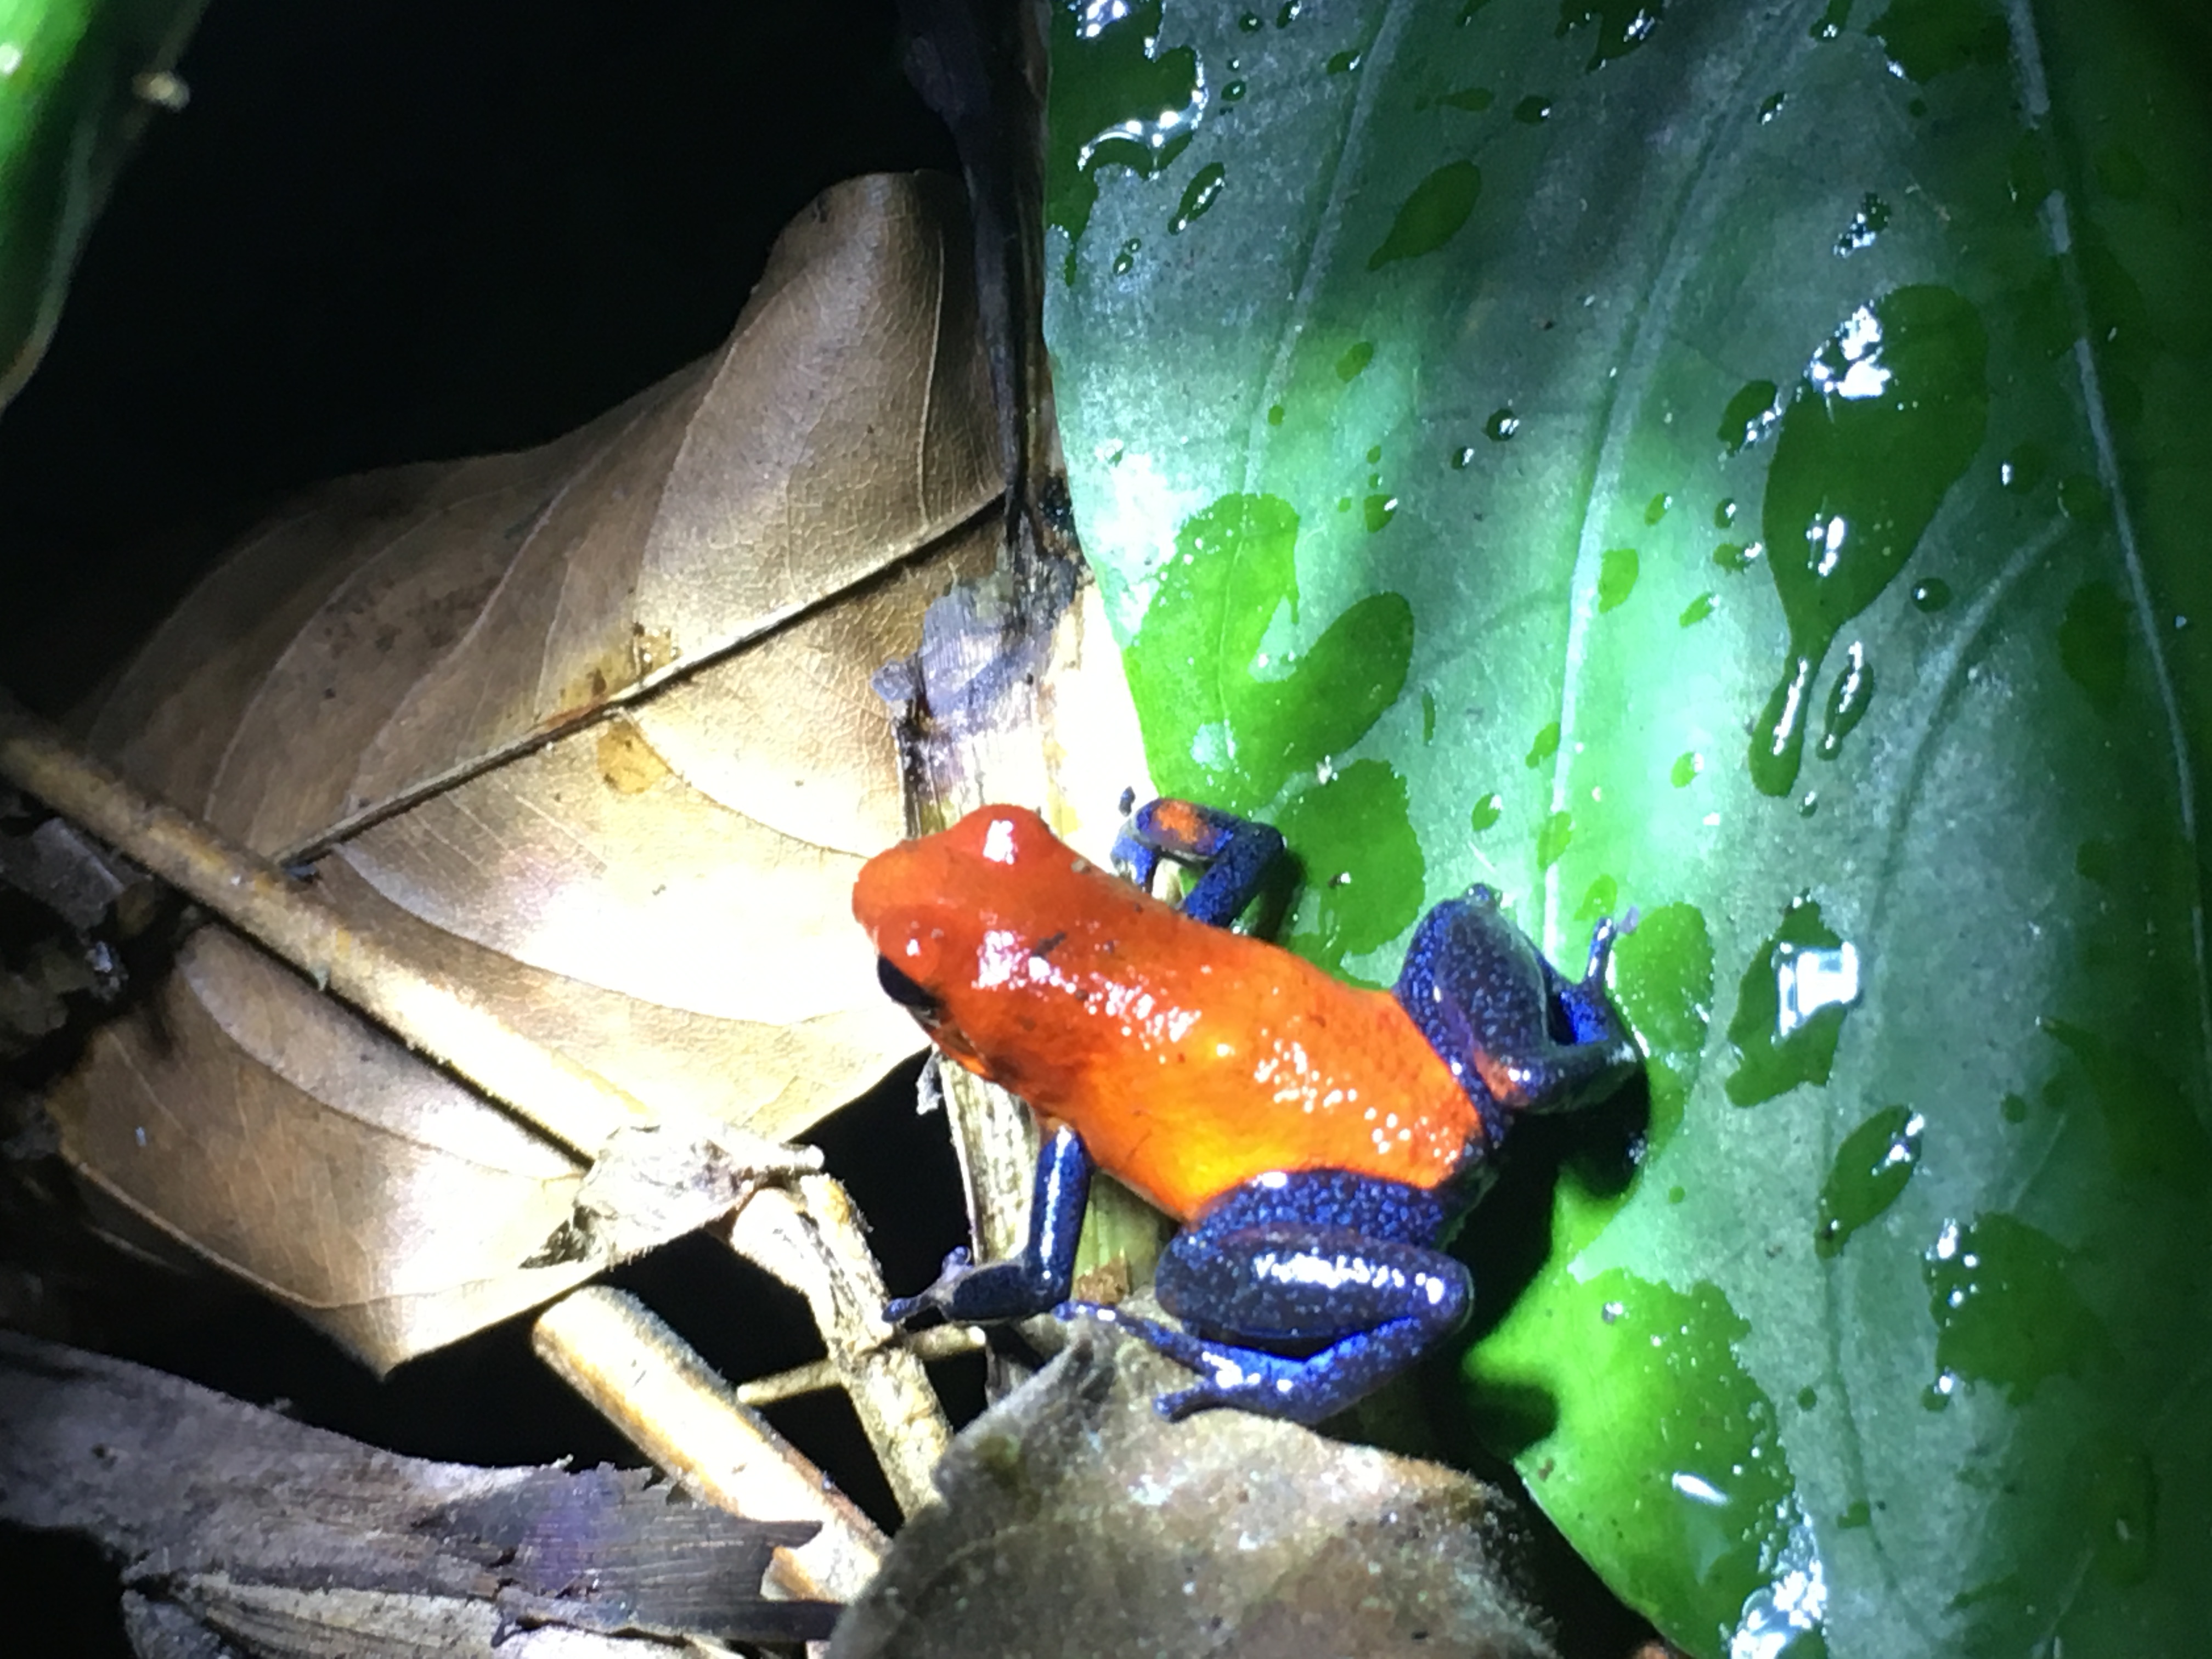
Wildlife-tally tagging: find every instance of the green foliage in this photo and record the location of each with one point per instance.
(76, 82)
(1431, 480)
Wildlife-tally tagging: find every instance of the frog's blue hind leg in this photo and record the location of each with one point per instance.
(1517, 1033)
(1340, 1267)
(1308, 1390)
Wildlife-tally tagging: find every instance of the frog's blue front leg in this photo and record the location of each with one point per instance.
(1233, 854)
(1038, 1278)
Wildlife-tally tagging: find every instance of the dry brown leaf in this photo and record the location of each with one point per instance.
(1075, 1523)
(660, 892)
(240, 1532)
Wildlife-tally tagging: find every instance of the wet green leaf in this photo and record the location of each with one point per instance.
(1878, 334)
(1871, 1168)
(78, 79)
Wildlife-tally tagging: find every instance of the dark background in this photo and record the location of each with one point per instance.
(388, 233)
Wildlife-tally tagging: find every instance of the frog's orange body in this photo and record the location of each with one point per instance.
(1190, 1060)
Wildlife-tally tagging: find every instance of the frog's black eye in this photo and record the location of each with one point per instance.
(903, 990)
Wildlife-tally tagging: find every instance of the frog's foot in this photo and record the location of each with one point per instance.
(957, 1268)
(1608, 932)
(1307, 1389)
(1029, 1283)
(968, 1294)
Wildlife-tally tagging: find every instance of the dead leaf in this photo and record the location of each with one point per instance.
(415, 670)
(238, 1530)
(1076, 1522)
(57, 949)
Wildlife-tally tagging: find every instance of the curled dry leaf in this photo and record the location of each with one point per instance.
(589, 729)
(1245, 1537)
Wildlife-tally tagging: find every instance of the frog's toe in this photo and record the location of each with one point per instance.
(1609, 932)
(1176, 1344)
(901, 1309)
(1184, 1401)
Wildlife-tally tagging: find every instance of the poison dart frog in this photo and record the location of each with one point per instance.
(1318, 1142)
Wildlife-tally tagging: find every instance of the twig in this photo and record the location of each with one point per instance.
(642, 1377)
(813, 1240)
(571, 1103)
(818, 1248)
(938, 1342)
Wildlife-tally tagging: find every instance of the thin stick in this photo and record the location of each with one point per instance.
(813, 1240)
(938, 1342)
(570, 1103)
(644, 1379)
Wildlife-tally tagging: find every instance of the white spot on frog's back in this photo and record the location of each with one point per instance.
(1000, 957)
(1161, 1023)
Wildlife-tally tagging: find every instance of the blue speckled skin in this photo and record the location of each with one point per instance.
(1317, 1259)
(1233, 854)
(1474, 985)
(1039, 1276)
(1303, 1291)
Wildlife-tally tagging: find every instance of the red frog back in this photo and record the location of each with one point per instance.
(1189, 1058)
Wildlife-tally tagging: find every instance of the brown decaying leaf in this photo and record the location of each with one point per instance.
(238, 1531)
(1075, 1523)
(660, 891)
